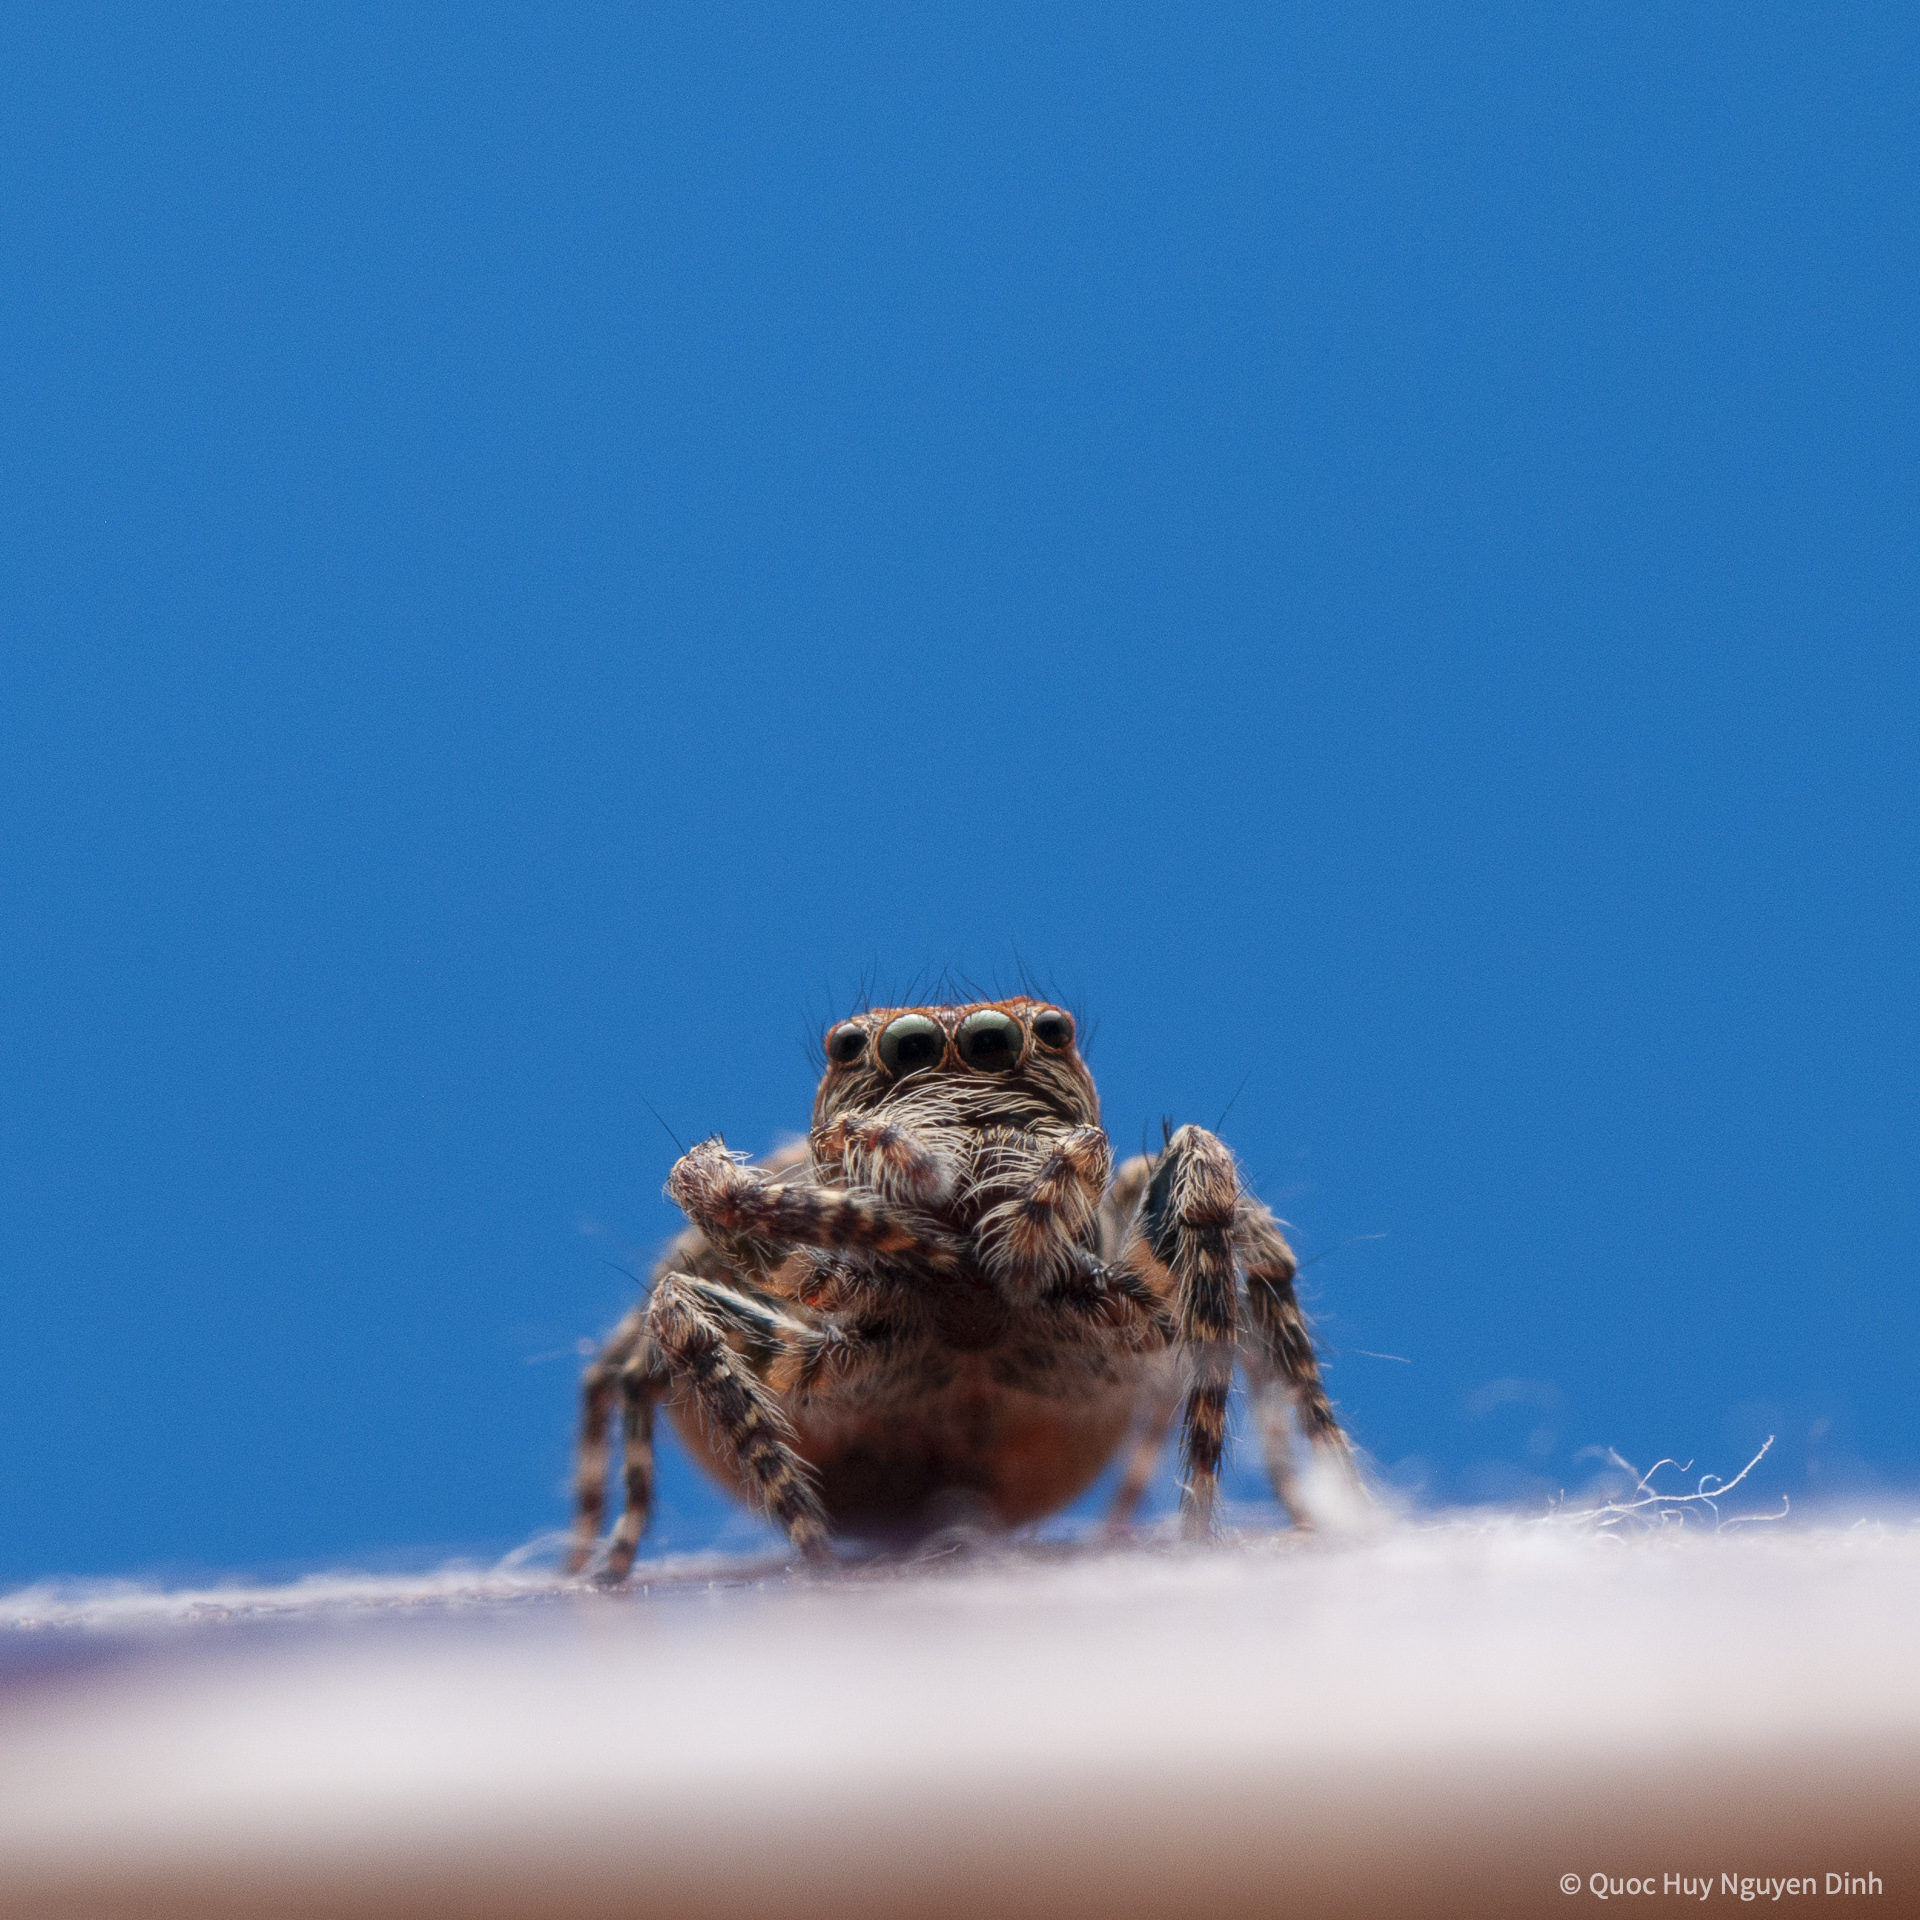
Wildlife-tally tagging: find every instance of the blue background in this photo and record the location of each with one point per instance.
(1370, 546)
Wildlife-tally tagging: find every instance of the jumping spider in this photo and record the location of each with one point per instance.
(944, 1302)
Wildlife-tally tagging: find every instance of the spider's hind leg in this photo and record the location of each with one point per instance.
(1146, 1439)
(620, 1366)
(1284, 1375)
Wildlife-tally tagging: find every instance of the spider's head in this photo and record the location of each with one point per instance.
(1022, 1049)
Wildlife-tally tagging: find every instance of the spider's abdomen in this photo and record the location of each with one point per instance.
(971, 1447)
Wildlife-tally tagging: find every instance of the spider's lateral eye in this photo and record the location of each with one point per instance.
(911, 1042)
(990, 1042)
(846, 1042)
(1053, 1029)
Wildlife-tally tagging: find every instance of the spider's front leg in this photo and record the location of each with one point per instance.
(1196, 1224)
(1186, 1226)
(629, 1372)
(728, 1349)
(736, 1352)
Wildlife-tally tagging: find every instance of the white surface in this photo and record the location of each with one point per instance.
(512, 1718)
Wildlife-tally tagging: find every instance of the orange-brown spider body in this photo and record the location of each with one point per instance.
(946, 1306)
(978, 1450)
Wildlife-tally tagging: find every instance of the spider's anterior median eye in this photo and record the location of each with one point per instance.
(1053, 1029)
(846, 1042)
(911, 1042)
(989, 1042)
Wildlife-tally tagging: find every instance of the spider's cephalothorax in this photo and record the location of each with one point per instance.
(946, 1305)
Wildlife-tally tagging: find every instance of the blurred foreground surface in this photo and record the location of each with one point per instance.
(1438, 1719)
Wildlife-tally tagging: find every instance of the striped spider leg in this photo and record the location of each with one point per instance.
(1194, 1231)
(1282, 1373)
(736, 1351)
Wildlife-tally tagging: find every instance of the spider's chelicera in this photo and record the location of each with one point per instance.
(945, 1304)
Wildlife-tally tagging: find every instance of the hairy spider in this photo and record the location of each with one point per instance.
(944, 1305)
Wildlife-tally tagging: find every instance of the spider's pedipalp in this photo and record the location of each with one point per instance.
(735, 1203)
(885, 1156)
(1041, 1229)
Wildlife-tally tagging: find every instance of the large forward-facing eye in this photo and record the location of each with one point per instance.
(846, 1042)
(911, 1042)
(1054, 1029)
(990, 1042)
